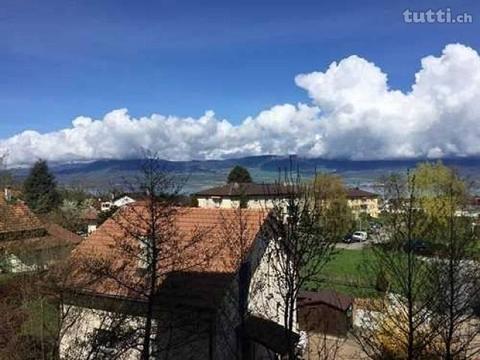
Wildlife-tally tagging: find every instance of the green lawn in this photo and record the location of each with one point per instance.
(349, 262)
(348, 273)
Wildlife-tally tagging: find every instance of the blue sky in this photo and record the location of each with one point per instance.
(60, 59)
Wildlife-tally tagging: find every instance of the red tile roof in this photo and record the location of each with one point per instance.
(197, 241)
(356, 193)
(21, 228)
(16, 217)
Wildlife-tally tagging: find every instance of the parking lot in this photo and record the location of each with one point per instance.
(372, 239)
(354, 245)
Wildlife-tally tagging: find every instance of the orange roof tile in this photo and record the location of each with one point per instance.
(16, 216)
(21, 228)
(197, 240)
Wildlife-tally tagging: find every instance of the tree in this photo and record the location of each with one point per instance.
(302, 246)
(397, 324)
(428, 310)
(147, 243)
(330, 196)
(40, 189)
(5, 176)
(239, 175)
(455, 275)
(439, 190)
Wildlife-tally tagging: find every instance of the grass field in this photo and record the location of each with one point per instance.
(348, 273)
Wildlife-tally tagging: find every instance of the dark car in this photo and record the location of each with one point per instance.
(347, 238)
(417, 247)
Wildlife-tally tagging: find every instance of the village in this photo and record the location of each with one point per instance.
(296, 269)
(239, 180)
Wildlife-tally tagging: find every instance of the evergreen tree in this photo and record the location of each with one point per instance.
(239, 175)
(40, 188)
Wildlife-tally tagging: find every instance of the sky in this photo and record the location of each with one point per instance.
(82, 80)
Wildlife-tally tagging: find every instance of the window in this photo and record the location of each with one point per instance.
(217, 201)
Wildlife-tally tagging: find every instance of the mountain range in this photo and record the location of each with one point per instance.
(198, 174)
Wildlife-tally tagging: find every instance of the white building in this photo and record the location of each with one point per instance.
(198, 307)
(266, 196)
(249, 195)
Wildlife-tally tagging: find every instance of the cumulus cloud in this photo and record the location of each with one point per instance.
(353, 114)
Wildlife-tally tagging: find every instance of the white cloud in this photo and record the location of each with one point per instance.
(354, 114)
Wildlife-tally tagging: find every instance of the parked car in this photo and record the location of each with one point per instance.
(359, 236)
(417, 247)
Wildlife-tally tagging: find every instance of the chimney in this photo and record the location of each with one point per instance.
(8, 194)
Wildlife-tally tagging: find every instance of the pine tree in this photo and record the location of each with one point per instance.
(40, 188)
(239, 175)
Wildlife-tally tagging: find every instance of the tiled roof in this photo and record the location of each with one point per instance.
(21, 228)
(66, 236)
(247, 189)
(328, 297)
(16, 217)
(356, 193)
(199, 241)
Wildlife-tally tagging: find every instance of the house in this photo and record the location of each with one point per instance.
(124, 200)
(363, 202)
(197, 305)
(249, 195)
(121, 200)
(325, 311)
(325, 318)
(471, 209)
(266, 196)
(27, 243)
(89, 219)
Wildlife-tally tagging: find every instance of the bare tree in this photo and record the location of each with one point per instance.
(5, 175)
(456, 277)
(149, 247)
(301, 247)
(397, 324)
(236, 233)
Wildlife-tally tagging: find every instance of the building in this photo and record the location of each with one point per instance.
(27, 243)
(325, 318)
(363, 202)
(199, 294)
(89, 219)
(249, 195)
(121, 201)
(325, 311)
(265, 196)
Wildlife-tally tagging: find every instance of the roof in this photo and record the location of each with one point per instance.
(475, 201)
(16, 217)
(269, 334)
(21, 229)
(328, 297)
(356, 193)
(89, 214)
(198, 241)
(247, 189)
(132, 195)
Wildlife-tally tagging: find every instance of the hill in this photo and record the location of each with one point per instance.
(104, 174)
